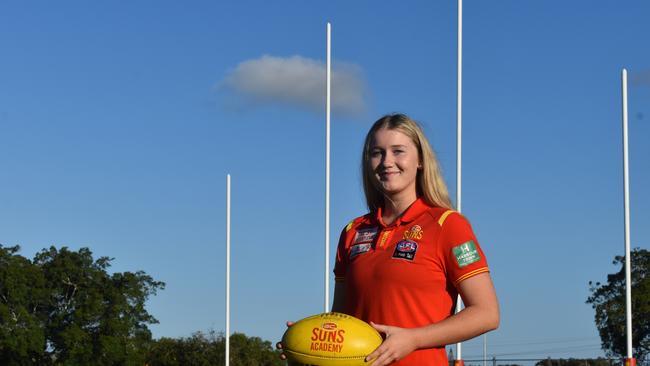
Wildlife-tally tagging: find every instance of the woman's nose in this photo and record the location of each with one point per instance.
(387, 160)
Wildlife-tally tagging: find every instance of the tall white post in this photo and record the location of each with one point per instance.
(484, 349)
(459, 109)
(328, 77)
(459, 135)
(228, 270)
(626, 189)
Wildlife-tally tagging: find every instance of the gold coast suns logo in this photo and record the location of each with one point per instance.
(327, 338)
(414, 233)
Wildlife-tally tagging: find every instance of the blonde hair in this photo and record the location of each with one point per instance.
(430, 185)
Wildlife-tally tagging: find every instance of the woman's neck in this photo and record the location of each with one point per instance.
(394, 207)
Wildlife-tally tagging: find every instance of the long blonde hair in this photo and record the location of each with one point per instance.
(430, 184)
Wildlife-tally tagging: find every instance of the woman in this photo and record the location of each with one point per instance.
(401, 266)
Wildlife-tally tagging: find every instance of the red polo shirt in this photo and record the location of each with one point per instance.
(406, 274)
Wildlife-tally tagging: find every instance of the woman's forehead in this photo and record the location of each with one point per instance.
(390, 137)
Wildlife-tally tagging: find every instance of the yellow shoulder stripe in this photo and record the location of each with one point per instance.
(443, 217)
(347, 228)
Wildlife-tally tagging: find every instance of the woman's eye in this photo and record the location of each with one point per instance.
(375, 154)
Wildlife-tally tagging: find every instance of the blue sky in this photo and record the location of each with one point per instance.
(120, 120)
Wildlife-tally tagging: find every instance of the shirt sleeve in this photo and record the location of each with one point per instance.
(461, 253)
(341, 263)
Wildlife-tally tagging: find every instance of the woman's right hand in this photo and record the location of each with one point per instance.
(279, 344)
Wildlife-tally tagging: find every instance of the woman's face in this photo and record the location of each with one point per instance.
(394, 161)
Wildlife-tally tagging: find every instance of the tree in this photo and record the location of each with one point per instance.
(608, 301)
(22, 293)
(574, 362)
(203, 349)
(200, 349)
(64, 308)
(252, 351)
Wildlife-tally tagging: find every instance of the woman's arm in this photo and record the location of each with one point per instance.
(480, 315)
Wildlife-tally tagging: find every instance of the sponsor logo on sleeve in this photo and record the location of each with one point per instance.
(357, 249)
(406, 249)
(466, 254)
(365, 235)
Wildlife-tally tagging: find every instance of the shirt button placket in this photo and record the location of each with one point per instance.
(385, 237)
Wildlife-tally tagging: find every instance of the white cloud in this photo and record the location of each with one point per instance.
(298, 81)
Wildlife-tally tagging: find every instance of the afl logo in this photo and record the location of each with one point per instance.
(405, 249)
(407, 246)
(329, 326)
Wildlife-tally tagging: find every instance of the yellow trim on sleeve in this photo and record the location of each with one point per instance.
(339, 279)
(349, 226)
(443, 217)
(471, 274)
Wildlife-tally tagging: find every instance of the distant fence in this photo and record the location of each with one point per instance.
(543, 362)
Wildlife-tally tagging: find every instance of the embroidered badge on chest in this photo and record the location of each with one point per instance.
(406, 249)
(414, 233)
(365, 235)
(357, 249)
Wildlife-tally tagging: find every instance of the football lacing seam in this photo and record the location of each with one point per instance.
(325, 357)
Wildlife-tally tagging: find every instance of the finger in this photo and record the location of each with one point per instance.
(377, 361)
(385, 359)
(290, 323)
(283, 356)
(376, 353)
(371, 357)
(278, 345)
(379, 327)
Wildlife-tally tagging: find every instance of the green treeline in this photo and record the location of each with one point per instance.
(64, 308)
(209, 349)
(579, 362)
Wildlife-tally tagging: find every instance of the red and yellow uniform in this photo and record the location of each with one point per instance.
(406, 274)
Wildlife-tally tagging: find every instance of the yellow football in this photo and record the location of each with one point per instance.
(330, 339)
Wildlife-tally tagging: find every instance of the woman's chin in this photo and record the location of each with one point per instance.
(391, 190)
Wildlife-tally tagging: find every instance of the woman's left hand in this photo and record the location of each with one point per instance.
(399, 343)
